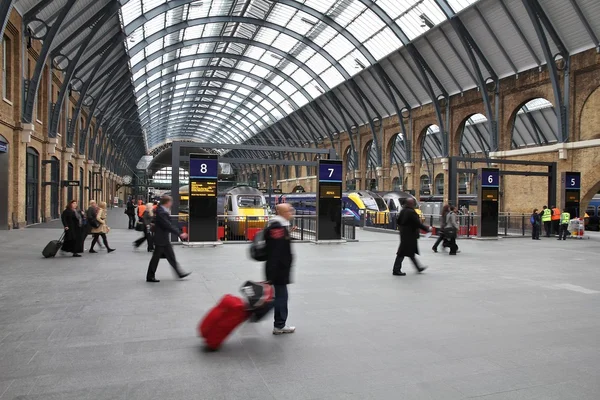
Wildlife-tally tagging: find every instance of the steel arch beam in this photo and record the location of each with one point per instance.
(542, 24)
(175, 123)
(245, 20)
(201, 56)
(221, 80)
(6, 7)
(183, 121)
(34, 82)
(228, 39)
(68, 75)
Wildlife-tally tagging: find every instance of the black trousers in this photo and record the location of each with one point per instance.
(95, 240)
(439, 240)
(147, 237)
(160, 252)
(535, 231)
(131, 221)
(556, 227)
(453, 246)
(281, 306)
(547, 227)
(564, 231)
(398, 263)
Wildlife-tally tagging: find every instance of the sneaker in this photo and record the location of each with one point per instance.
(284, 330)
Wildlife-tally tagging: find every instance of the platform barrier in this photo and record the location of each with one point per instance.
(244, 229)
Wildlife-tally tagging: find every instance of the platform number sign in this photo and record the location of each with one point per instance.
(203, 166)
(330, 171)
(572, 181)
(490, 178)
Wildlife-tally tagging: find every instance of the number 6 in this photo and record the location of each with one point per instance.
(490, 178)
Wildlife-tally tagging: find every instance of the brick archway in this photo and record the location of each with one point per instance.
(589, 118)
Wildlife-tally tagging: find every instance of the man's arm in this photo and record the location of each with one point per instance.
(163, 221)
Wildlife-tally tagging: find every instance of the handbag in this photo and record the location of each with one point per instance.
(450, 232)
(139, 226)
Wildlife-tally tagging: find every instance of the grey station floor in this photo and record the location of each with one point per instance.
(508, 319)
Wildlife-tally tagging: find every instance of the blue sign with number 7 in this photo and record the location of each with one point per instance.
(330, 171)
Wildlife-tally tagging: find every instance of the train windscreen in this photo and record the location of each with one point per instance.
(370, 203)
(249, 201)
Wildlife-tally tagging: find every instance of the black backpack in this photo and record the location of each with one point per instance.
(258, 248)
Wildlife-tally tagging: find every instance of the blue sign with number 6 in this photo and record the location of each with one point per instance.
(490, 178)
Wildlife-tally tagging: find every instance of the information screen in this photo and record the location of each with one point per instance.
(489, 195)
(203, 188)
(204, 166)
(330, 191)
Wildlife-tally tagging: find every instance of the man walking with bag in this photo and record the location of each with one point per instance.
(279, 264)
(162, 241)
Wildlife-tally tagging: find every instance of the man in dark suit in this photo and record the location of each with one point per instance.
(279, 264)
(130, 212)
(409, 224)
(162, 241)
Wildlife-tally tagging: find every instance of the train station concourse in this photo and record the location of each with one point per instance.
(292, 155)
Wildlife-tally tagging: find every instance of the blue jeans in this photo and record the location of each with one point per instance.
(281, 305)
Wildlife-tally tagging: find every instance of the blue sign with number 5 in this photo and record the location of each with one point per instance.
(490, 178)
(330, 171)
(572, 181)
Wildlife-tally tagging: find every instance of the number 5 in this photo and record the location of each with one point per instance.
(490, 179)
(330, 172)
(572, 181)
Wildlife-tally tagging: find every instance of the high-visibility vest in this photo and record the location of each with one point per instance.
(565, 218)
(555, 214)
(546, 215)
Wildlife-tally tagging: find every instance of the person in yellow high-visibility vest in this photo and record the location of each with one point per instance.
(565, 217)
(546, 220)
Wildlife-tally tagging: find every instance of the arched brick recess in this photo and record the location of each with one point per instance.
(459, 118)
(589, 120)
(506, 138)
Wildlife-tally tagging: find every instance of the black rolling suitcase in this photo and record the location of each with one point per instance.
(53, 247)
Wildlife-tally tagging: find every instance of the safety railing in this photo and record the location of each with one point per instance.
(245, 228)
(509, 225)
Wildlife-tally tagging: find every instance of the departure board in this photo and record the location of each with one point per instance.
(330, 191)
(203, 188)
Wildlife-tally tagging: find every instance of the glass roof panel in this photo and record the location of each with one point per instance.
(177, 88)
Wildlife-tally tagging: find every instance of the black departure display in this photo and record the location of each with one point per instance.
(571, 190)
(202, 219)
(329, 204)
(487, 202)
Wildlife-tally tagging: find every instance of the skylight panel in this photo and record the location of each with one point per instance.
(301, 77)
(383, 43)
(281, 14)
(365, 25)
(339, 47)
(284, 43)
(318, 63)
(151, 4)
(154, 25)
(130, 11)
(326, 34)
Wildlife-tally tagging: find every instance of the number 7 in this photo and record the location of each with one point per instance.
(330, 172)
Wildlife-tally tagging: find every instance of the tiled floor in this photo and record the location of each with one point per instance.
(509, 319)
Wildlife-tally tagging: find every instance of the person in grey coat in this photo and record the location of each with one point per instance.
(452, 230)
(410, 226)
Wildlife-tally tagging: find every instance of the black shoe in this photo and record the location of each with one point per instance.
(110, 250)
(185, 274)
(93, 251)
(399, 273)
(76, 255)
(421, 269)
(152, 280)
(434, 249)
(451, 254)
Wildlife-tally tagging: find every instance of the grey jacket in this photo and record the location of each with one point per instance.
(451, 220)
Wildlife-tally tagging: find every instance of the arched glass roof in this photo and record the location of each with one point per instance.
(223, 70)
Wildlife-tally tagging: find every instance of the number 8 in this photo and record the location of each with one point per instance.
(203, 168)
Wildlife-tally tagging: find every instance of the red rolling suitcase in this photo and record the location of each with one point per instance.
(222, 320)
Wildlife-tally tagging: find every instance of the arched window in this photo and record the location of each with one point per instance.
(424, 185)
(535, 124)
(165, 175)
(396, 184)
(439, 184)
(32, 175)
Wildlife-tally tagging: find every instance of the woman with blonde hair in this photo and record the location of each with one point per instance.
(147, 217)
(102, 229)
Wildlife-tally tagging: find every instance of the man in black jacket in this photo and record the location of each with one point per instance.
(162, 241)
(409, 224)
(130, 211)
(279, 264)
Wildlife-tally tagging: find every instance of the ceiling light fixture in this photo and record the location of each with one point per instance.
(427, 23)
